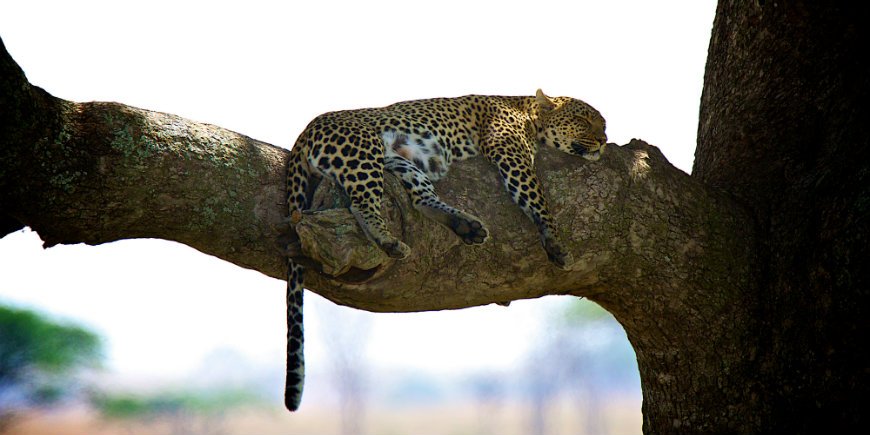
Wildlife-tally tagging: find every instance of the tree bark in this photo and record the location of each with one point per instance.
(784, 128)
(740, 287)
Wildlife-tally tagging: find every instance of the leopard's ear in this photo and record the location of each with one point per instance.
(544, 102)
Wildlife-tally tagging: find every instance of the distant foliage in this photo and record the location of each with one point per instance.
(584, 354)
(31, 343)
(597, 346)
(585, 312)
(173, 403)
(37, 359)
(185, 411)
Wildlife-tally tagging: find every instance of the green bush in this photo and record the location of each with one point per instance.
(133, 406)
(35, 350)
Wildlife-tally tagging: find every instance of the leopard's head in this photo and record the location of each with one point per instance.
(571, 126)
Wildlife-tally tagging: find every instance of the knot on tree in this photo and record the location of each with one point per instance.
(331, 242)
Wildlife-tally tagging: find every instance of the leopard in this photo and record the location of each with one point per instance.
(417, 141)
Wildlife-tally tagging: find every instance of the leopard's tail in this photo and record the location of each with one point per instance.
(295, 338)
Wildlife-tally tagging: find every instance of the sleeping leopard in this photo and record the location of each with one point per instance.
(417, 141)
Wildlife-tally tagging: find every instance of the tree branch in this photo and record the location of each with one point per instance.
(98, 172)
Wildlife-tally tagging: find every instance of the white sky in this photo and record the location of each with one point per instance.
(265, 69)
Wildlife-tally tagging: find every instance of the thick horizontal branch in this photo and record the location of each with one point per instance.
(111, 172)
(627, 219)
(98, 172)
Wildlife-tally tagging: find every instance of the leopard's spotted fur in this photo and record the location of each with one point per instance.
(417, 141)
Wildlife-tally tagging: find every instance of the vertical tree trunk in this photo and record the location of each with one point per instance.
(784, 128)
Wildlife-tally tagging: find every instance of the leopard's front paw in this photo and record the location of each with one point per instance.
(558, 256)
(396, 249)
(470, 230)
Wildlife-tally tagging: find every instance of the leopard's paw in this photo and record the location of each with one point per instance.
(396, 249)
(470, 230)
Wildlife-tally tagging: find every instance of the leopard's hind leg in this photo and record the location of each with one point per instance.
(356, 163)
(423, 197)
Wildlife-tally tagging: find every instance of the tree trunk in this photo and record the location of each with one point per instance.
(739, 287)
(784, 128)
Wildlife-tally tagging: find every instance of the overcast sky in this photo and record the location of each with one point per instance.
(265, 69)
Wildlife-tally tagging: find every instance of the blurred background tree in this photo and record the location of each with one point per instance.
(38, 355)
(184, 411)
(599, 362)
(583, 354)
(346, 341)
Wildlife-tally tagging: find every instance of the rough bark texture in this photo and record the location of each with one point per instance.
(740, 287)
(784, 127)
(98, 172)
